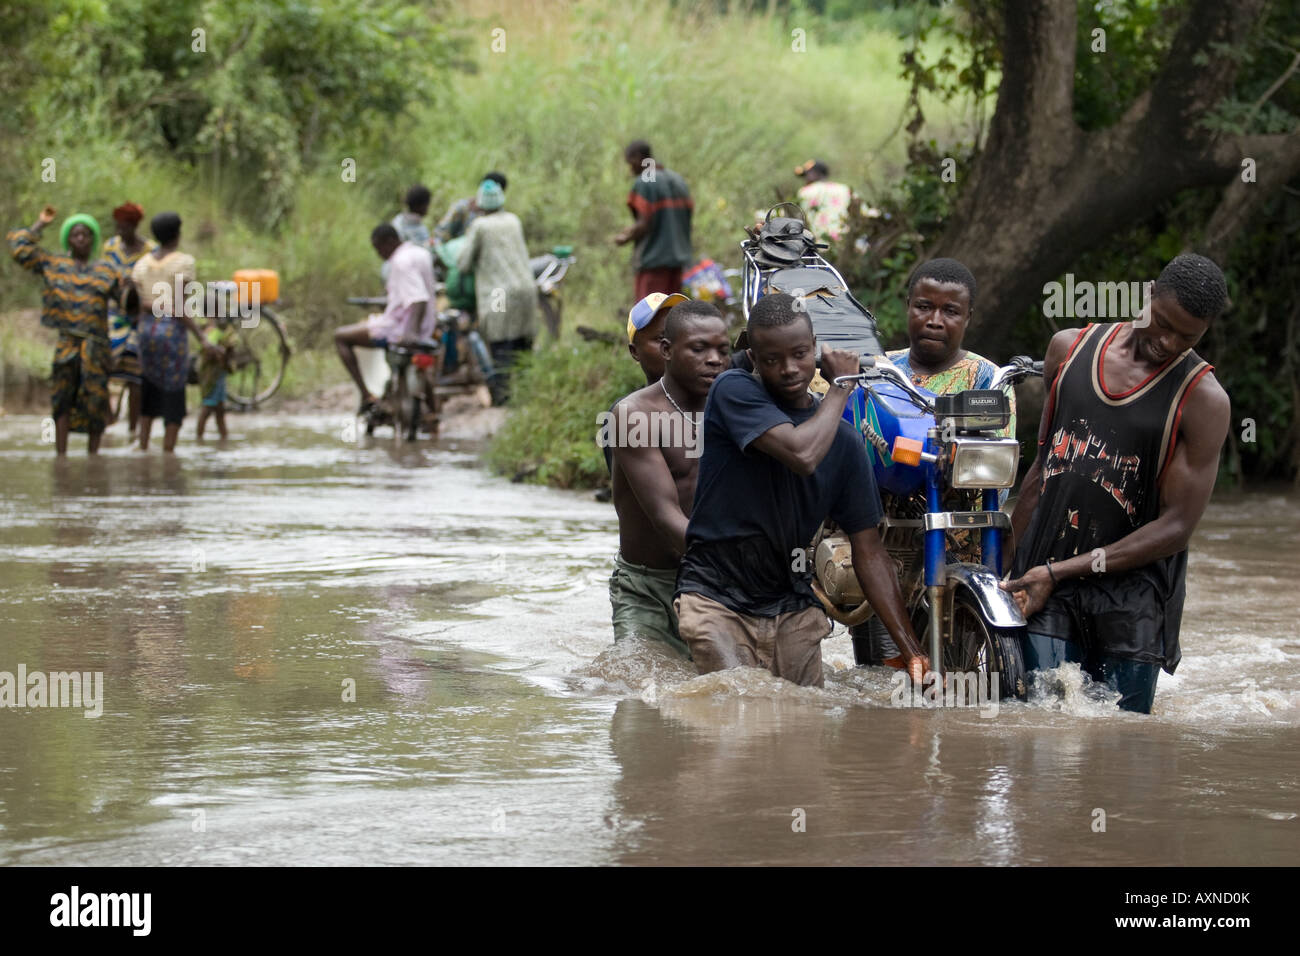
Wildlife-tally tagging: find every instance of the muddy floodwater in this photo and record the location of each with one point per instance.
(320, 651)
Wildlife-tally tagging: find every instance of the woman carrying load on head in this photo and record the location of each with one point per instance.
(159, 278)
(122, 251)
(77, 290)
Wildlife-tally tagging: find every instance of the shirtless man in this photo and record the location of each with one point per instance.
(1128, 450)
(655, 436)
(645, 333)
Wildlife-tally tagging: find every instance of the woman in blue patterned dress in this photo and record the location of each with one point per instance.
(122, 251)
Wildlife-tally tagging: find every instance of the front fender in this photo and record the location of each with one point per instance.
(998, 607)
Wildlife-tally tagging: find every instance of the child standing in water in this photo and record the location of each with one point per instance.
(212, 377)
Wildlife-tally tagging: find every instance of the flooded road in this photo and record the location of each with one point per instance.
(322, 652)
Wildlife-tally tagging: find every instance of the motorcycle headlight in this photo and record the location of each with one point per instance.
(983, 462)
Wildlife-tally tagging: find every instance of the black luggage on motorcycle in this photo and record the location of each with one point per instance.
(782, 255)
(838, 319)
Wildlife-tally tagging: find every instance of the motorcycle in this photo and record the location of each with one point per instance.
(783, 256)
(549, 271)
(938, 465)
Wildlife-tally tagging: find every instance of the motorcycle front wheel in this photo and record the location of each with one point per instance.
(975, 645)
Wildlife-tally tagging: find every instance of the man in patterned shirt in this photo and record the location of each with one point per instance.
(825, 202)
(940, 301)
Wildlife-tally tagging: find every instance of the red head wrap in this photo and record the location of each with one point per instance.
(128, 212)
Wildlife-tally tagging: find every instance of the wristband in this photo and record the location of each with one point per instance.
(1050, 573)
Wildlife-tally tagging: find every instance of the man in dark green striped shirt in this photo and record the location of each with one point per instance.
(661, 205)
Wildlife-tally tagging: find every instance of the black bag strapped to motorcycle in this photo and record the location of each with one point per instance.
(838, 319)
(975, 409)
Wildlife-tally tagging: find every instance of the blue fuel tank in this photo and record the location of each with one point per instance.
(890, 413)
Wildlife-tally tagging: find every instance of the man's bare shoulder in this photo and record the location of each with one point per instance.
(1061, 342)
(648, 399)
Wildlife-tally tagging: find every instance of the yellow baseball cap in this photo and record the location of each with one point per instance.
(644, 312)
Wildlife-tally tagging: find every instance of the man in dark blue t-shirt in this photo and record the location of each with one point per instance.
(776, 464)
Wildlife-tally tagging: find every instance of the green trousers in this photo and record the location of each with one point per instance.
(642, 600)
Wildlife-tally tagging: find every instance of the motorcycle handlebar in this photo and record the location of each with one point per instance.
(1022, 366)
(874, 368)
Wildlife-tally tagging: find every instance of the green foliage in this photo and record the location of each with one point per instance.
(952, 54)
(575, 84)
(114, 86)
(1256, 349)
(1136, 34)
(969, 60)
(899, 233)
(245, 140)
(601, 75)
(551, 436)
(254, 91)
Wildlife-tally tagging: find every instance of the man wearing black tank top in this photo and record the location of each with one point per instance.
(1128, 450)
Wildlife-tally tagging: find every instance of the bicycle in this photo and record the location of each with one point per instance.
(259, 359)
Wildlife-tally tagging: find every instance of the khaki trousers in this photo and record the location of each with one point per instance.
(788, 645)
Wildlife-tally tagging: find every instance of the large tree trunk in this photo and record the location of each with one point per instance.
(1042, 191)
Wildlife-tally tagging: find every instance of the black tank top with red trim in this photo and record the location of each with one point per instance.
(1102, 464)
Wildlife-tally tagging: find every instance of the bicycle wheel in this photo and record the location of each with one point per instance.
(402, 419)
(413, 425)
(258, 361)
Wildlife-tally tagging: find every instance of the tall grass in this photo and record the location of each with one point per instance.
(723, 99)
(573, 380)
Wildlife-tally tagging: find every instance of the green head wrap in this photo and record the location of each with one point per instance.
(490, 195)
(80, 219)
